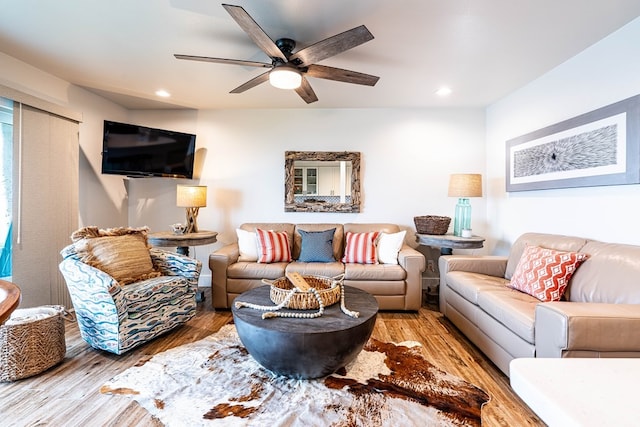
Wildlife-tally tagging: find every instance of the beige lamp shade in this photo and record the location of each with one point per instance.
(465, 185)
(191, 196)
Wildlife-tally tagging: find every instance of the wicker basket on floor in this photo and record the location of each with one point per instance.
(328, 288)
(31, 341)
(431, 224)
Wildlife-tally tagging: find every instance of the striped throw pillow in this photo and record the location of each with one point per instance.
(273, 246)
(360, 248)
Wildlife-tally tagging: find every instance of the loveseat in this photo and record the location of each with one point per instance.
(598, 314)
(395, 282)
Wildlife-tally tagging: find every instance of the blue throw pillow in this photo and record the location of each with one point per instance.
(317, 246)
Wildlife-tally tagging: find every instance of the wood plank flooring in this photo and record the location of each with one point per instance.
(68, 394)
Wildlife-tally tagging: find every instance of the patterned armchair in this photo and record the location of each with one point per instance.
(116, 317)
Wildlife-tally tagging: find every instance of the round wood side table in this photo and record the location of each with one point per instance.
(448, 242)
(182, 242)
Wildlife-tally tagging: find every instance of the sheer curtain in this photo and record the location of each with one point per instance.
(45, 196)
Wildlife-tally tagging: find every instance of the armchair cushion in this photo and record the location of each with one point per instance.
(122, 253)
(144, 295)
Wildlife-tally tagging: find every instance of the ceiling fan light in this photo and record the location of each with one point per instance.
(285, 77)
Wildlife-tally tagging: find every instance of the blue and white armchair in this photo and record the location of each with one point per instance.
(118, 318)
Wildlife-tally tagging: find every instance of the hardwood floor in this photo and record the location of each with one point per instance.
(68, 394)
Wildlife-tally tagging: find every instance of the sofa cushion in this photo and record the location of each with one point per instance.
(545, 273)
(274, 246)
(360, 248)
(389, 245)
(142, 295)
(247, 245)
(379, 272)
(316, 246)
(255, 270)
(326, 269)
(610, 275)
(384, 290)
(514, 309)
(361, 227)
(469, 285)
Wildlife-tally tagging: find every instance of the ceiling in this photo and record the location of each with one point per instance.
(482, 49)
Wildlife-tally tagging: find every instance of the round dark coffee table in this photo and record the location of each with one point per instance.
(305, 348)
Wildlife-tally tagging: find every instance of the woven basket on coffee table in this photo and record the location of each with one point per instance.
(31, 341)
(328, 289)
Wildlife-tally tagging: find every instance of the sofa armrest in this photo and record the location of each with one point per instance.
(489, 265)
(574, 326)
(218, 263)
(414, 264)
(174, 264)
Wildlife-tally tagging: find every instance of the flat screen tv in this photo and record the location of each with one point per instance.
(139, 151)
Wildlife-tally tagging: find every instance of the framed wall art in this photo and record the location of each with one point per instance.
(601, 147)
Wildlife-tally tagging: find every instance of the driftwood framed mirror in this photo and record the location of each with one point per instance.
(321, 181)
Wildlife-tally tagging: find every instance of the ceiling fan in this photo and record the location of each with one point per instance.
(288, 69)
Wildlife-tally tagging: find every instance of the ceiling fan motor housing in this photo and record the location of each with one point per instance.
(286, 46)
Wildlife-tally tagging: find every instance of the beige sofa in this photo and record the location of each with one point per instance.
(396, 287)
(599, 315)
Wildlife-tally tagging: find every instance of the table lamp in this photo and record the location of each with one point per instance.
(191, 197)
(463, 186)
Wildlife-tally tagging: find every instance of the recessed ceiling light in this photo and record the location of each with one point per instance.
(444, 91)
(163, 93)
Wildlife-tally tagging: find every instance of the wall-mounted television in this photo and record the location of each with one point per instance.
(139, 151)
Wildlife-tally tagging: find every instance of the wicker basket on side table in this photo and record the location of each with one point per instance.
(432, 224)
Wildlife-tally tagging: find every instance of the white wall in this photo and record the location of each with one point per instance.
(103, 199)
(607, 72)
(406, 155)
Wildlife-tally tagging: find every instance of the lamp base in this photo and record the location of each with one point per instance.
(462, 220)
(192, 225)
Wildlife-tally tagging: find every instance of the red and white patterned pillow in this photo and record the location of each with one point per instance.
(273, 246)
(360, 248)
(545, 273)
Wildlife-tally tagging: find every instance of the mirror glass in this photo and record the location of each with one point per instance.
(322, 181)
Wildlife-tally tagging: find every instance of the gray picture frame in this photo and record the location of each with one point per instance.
(601, 147)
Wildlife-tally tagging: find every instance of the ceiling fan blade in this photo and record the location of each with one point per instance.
(331, 46)
(254, 31)
(223, 60)
(252, 83)
(306, 92)
(340, 75)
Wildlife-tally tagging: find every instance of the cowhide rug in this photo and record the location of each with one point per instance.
(215, 382)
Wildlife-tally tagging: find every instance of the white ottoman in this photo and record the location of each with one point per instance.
(579, 392)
